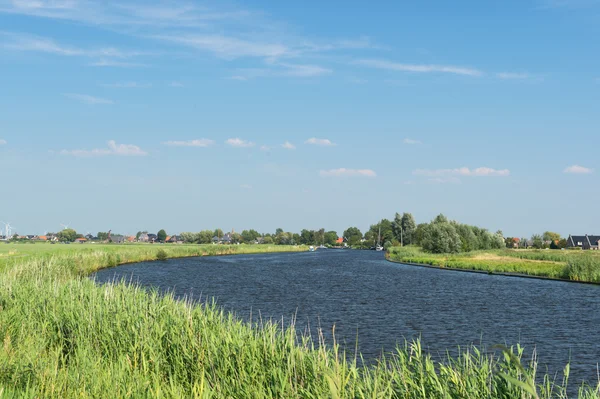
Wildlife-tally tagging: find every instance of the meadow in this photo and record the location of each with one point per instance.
(582, 266)
(63, 336)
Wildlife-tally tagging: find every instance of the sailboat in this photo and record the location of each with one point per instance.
(379, 247)
(322, 246)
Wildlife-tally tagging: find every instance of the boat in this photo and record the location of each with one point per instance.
(311, 249)
(379, 247)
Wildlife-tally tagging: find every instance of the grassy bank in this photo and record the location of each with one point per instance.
(569, 265)
(63, 336)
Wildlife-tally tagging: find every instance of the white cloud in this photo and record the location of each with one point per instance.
(411, 141)
(419, 68)
(319, 142)
(113, 149)
(482, 171)
(237, 142)
(176, 84)
(577, 169)
(229, 47)
(3, 142)
(190, 143)
(513, 75)
(87, 99)
(343, 172)
(303, 71)
(288, 146)
(116, 64)
(127, 85)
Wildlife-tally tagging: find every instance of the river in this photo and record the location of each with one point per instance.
(380, 304)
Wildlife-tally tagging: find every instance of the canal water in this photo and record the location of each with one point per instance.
(379, 304)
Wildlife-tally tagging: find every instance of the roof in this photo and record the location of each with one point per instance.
(585, 240)
(80, 239)
(340, 240)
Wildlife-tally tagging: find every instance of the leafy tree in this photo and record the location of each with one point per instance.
(331, 238)
(139, 234)
(190, 237)
(509, 242)
(404, 228)
(205, 237)
(296, 239)
(282, 238)
(268, 240)
(353, 235)
(278, 231)
(387, 245)
(550, 236)
(236, 238)
(67, 235)
(249, 236)
(307, 237)
(218, 233)
(419, 231)
(562, 243)
(440, 219)
(538, 241)
(161, 236)
(102, 236)
(440, 237)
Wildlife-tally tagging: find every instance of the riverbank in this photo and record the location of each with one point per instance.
(64, 336)
(575, 266)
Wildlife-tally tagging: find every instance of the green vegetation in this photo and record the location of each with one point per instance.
(64, 336)
(569, 265)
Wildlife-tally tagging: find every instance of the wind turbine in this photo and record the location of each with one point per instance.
(8, 230)
(65, 226)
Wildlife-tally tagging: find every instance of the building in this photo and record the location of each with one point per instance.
(583, 242)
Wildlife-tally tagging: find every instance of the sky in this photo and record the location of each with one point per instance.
(188, 115)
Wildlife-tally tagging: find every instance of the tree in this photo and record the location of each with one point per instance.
(550, 236)
(278, 231)
(102, 236)
(307, 237)
(562, 243)
(249, 236)
(404, 228)
(205, 237)
(189, 237)
(268, 240)
(419, 231)
(161, 236)
(353, 235)
(138, 235)
(538, 241)
(440, 238)
(67, 235)
(236, 238)
(218, 233)
(331, 238)
(440, 219)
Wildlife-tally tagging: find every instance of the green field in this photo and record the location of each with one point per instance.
(63, 336)
(583, 266)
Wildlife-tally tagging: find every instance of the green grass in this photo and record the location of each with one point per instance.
(581, 266)
(63, 336)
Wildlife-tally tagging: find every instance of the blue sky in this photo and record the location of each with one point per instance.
(194, 115)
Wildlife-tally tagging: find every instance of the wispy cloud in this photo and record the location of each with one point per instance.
(411, 141)
(113, 149)
(577, 169)
(513, 75)
(237, 142)
(3, 142)
(87, 99)
(104, 56)
(418, 68)
(288, 146)
(176, 84)
(190, 143)
(478, 172)
(127, 85)
(229, 47)
(343, 172)
(265, 148)
(319, 142)
(117, 64)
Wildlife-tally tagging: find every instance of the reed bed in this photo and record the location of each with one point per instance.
(63, 336)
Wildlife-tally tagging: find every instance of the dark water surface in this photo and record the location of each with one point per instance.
(384, 303)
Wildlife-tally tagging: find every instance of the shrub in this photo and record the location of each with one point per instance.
(161, 255)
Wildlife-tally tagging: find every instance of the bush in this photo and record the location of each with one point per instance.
(387, 245)
(161, 255)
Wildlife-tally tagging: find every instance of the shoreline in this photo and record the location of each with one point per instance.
(504, 274)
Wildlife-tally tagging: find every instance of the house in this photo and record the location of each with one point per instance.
(117, 239)
(81, 240)
(515, 242)
(130, 239)
(174, 240)
(583, 242)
